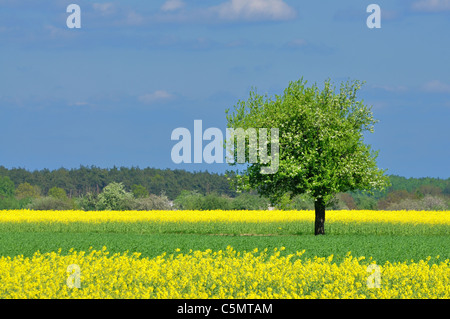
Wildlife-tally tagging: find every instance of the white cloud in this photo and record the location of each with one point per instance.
(254, 10)
(118, 15)
(172, 5)
(297, 43)
(159, 95)
(134, 18)
(107, 8)
(59, 33)
(436, 87)
(431, 5)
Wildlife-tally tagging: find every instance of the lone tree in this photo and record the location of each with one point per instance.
(321, 147)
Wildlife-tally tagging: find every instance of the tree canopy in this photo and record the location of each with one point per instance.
(321, 142)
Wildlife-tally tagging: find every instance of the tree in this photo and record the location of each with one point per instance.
(247, 201)
(114, 197)
(26, 190)
(395, 197)
(152, 202)
(139, 191)
(215, 201)
(348, 200)
(87, 202)
(58, 193)
(7, 187)
(321, 146)
(188, 200)
(51, 203)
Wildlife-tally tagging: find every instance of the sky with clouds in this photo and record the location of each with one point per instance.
(111, 92)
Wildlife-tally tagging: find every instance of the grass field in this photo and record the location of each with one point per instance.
(407, 237)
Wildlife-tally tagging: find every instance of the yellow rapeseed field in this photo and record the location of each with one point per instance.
(361, 216)
(222, 274)
(219, 274)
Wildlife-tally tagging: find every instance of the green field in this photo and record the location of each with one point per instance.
(382, 242)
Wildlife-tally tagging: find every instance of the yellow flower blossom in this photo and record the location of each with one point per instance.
(361, 216)
(215, 274)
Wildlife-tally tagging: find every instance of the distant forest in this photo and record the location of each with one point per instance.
(83, 180)
(405, 193)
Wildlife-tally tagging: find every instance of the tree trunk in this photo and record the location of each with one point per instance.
(319, 225)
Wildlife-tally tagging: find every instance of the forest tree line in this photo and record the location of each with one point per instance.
(84, 180)
(88, 188)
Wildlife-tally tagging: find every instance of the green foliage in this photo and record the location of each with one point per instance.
(51, 203)
(83, 180)
(188, 200)
(321, 141)
(7, 187)
(26, 190)
(306, 202)
(298, 202)
(215, 201)
(284, 202)
(432, 190)
(58, 193)
(195, 201)
(87, 202)
(139, 191)
(247, 201)
(412, 185)
(12, 203)
(365, 202)
(302, 202)
(114, 197)
(84, 184)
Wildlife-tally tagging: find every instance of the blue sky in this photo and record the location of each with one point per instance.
(111, 92)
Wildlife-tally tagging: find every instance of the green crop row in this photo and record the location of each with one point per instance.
(229, 228)
(381, 248)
